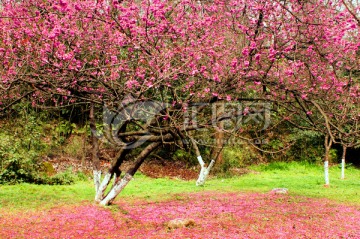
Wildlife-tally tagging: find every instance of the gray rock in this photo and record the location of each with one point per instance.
(180, 223)
(280, 190)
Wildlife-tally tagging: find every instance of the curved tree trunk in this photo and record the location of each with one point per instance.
(120, 184)
(113, 172)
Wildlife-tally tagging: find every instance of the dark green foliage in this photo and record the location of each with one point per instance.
(239, 156)
(18, 162)
(17, 170)
(185, 156)
(20, 170)
(308, 146)
(25, 140)
(297, 145)
(64, 178)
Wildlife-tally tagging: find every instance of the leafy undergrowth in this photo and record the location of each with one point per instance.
(216, 215)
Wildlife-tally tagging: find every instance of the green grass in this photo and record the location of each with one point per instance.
(300, 178)
(29, 196)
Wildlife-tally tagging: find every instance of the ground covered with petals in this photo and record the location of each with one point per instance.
(215, 215)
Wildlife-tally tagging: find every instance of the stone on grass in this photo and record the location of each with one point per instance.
(280, 191)
(179, 223)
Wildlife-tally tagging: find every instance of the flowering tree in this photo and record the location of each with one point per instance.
(347, 130)
(128, 57)
(340, 119)
(326, 95)
(156, 66)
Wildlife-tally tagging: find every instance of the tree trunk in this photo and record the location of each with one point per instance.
(116, 189)
(219, 135)
(326, 173)
(204, 171)
(343, 162)
(113, 172)
(83, 156)
(95, 150)
(327, 144)
(120, 184)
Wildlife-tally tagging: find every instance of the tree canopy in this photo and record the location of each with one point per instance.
(113, 54)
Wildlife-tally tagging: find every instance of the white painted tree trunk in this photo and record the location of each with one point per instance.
(119, 183)
(342, 168)
(116, 189)
(101, 189)
(204, 172)
(326, 173)
(343, 162)
(97, 178)
(327, 143)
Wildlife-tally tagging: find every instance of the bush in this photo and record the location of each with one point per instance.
(16, 171)
(17, 163)
(24, 141)
(65, 178)
(19, 170)
(239, 156)
(185, 156)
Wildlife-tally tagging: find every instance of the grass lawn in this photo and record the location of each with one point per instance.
(237, 207)
(300, 178)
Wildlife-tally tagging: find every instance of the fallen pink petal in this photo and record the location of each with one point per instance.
(214, 214)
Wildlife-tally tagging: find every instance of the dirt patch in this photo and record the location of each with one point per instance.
(154, 168)
(171, 169)
(63, 163)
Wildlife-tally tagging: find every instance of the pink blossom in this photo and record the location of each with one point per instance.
(245, 51)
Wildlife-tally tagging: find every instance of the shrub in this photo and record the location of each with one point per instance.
(239, 156)
(185, 156)
(24, 140)
(65, 178)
